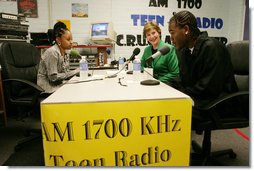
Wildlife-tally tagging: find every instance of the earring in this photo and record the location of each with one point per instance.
(186, 33)
(59, 44)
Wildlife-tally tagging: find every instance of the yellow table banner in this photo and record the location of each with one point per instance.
(127, 133)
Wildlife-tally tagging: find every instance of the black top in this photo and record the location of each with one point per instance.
(207, 72)
(154, 51)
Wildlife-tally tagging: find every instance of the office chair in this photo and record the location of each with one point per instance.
(219, 120)
(19, 65)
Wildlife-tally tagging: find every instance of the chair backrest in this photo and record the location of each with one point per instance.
(239, 52)
(19, 60)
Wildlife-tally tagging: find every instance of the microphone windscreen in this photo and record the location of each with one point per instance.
(74, 53)
(164, 50)
(136, 51)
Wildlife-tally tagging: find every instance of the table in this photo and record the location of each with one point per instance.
(105, 123)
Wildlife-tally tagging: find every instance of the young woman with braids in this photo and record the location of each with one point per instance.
(53, 68)
(206, 70)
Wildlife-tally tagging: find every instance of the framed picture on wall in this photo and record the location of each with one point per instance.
(28, 8)
(79, 10)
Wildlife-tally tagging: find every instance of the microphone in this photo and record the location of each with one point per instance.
(164, 50)
(136, 51)
(75, 54)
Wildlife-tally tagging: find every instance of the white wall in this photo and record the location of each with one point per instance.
(40, 24)
(231, 12)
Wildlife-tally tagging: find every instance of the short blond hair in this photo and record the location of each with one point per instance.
(149, 26)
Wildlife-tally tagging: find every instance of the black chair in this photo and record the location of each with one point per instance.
(226, 118)
(19, 65)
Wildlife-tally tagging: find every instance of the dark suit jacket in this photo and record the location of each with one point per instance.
(207, 72)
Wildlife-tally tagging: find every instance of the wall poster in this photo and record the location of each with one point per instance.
(28, 8)
(79, 10)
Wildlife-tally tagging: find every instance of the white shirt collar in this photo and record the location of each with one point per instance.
(191, 49)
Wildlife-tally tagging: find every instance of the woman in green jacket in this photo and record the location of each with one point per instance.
(165, 67)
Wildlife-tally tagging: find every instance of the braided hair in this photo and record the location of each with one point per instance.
(184, 18)
(58, 30)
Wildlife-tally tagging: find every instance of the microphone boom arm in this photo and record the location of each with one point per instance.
(115, 74)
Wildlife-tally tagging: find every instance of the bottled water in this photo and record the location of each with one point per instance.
(121, 63)
(130, 66)
(137, 69)
(83, 66)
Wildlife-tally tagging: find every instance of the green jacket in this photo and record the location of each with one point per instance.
(165, 67)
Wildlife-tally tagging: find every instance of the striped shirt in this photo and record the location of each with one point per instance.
(53, 70)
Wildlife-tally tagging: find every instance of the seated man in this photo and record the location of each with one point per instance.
(206, 71)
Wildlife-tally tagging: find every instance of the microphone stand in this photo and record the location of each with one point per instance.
(114, 75)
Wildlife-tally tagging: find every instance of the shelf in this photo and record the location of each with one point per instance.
(101, 48)
(79, 46)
